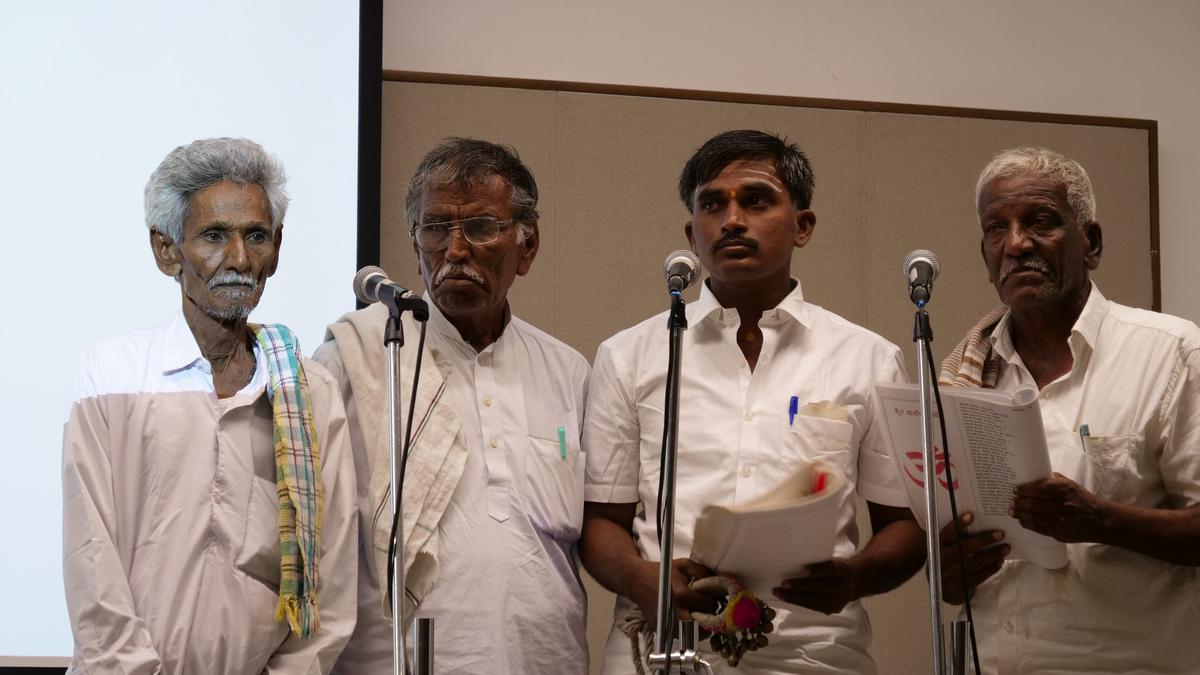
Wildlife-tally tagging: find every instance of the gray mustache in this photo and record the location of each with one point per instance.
(458, 270)
(1027, 264)
(233, 279)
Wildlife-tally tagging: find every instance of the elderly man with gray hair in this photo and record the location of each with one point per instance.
(1119, 390)
(493, 494)
(208, 485)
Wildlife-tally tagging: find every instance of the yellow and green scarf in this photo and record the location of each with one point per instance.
(297, 475)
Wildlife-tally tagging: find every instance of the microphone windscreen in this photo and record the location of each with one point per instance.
(361, 279)
(683, 263)
(919, 255)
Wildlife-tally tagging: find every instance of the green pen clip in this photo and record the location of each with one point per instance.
(562, 443)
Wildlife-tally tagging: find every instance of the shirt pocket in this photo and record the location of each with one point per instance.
(810, 438)
(258, 555)
(554, 470)
(1112, 466)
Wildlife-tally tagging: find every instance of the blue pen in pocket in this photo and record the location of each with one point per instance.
(793, 409)
(562, 443)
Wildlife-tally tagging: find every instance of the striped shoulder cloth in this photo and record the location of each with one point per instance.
(298, 479)
(972, 363)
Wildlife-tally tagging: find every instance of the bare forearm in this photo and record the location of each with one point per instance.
(609, 554)
(1171, 535)
(894, 554)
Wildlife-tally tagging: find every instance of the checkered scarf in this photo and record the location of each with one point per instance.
(972, 362)
(296, 474)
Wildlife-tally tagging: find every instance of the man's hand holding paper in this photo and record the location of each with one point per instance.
(1059, 507)
(826, 587)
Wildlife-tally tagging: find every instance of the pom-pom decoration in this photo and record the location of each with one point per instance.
(741, 622)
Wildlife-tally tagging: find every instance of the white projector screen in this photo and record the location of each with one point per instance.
(92, 97)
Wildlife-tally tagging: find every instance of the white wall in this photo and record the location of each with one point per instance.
(92, 97)
(1084, 57)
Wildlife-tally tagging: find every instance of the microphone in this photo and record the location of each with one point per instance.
(372, 284)
(920, 268)
(681, 269)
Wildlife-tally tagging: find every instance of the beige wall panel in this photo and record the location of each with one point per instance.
(620, 213)
(920, 194)
(607, 167)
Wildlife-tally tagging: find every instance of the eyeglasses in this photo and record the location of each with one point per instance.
(480, 230)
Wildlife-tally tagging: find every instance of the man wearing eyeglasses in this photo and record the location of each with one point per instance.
(493, 495)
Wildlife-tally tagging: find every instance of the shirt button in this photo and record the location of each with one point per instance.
(487, 400)
(1008, 626)
(494, 443)
(749, 416)
(746, 471)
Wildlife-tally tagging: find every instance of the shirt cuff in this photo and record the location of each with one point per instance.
(611, 494)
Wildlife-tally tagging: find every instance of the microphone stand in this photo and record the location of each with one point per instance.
(663, 658)
(922, 336)
(393, 339)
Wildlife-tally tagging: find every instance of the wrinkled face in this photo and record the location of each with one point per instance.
(1036, 252)
(465, 279)
(227, 251)
(744, 225)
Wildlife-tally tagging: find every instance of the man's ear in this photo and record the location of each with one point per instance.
(687, 232)
(529, 249)
(278, 238)
(806, 222)
(1095, 239)
(166, 254)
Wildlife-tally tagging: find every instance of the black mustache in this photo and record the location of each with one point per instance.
(734, 240)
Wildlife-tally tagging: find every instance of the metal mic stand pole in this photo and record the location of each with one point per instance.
(665, 619)
(393, 339)
(664, 657)
(922, 335)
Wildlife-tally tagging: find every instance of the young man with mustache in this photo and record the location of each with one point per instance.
(752, 345)
(493, 494)
(1119, 390)
(208, 513)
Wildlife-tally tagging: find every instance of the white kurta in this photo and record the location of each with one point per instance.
(735, 443)
(507, 599)
(1135, 383)
(170, 517)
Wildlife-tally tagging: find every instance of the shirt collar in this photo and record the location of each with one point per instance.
(180, 349)
(1085, 332)
(792, 306)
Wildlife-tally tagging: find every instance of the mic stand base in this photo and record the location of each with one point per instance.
(687, 659)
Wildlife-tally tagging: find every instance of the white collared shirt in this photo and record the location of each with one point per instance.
(171, 516)
(507, 599)
(1135, 384)
(735, 443)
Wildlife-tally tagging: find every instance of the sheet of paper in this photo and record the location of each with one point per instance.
(996, 443)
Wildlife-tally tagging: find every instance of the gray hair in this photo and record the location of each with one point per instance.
(1046, 164)
(461, 161)
(193, 167)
